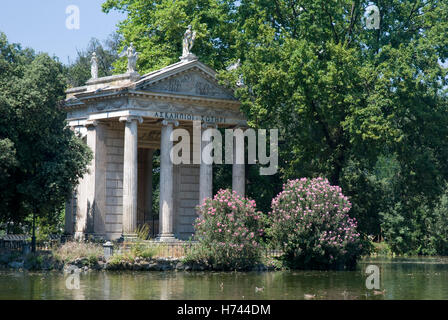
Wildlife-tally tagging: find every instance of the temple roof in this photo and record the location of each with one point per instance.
(186, 77)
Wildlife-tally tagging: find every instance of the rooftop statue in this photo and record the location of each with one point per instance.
(94, 66)
(188, 42)
(132, 56)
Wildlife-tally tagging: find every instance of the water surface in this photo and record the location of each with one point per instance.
(411, 278)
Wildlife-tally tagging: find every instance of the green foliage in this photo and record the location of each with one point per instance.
(381, 249)
(309, 222)
(119, 259)
(143, 251)
(138, 250)
(46, 226)
(438, 226)
(143, 232)
(43, 160)
(78, 72)
(418, 227)
(34, 261)
(403, 227)
(156, 28)
(344, 96)
(229, 232)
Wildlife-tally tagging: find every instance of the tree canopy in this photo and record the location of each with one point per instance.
(78, 72)
(41, 160)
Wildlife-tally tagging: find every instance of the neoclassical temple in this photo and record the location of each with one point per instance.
(125, 119)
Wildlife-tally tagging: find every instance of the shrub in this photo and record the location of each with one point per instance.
(417, 227)
(309, 222)
(120, 259)
(33, 261)
(438, 226)
(381, 249)
(140, 250)
(229, 231)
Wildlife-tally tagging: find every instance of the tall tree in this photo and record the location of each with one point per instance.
(78, 72)
(345, 95)
(42, 159)
(156, 29)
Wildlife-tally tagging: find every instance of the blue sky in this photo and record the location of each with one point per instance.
(41, 25)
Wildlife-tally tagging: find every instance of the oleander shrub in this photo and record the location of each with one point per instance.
(309, 222)
(229, 231)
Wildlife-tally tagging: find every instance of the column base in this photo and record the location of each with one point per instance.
(79, 236)
(167, 237)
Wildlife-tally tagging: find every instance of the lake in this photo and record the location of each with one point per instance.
(400, 278)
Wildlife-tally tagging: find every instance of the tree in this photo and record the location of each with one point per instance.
(345, 96)
(44, 159)
(156, 29)
(78, 72)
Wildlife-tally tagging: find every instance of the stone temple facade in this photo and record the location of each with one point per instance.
(124, 119)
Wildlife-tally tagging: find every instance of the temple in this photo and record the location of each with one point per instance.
(125, 120)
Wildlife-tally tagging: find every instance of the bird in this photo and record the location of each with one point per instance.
(309, 296)
(259, 289)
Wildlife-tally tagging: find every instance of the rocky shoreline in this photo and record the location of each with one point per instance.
(139, 264)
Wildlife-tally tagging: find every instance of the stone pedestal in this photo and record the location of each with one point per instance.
(130, 174)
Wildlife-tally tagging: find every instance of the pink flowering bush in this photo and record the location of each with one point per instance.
(310, 223)
(229, 231)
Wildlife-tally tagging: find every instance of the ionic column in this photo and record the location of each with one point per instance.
(130, 174)
(91, 200)
(205, 171)
(238, 169)
(166, 216)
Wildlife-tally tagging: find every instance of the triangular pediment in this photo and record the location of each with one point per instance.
(193, 79)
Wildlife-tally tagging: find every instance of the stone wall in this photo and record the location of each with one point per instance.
(186, 191)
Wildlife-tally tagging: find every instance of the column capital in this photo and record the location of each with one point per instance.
(166, 122)
(131, 118)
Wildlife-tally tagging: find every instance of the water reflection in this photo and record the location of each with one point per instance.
(422, 278)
